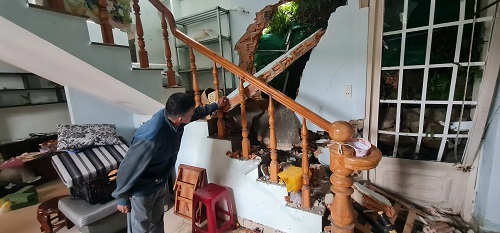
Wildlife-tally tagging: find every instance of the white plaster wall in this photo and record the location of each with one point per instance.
(95, 34)
(88, 109)
(339, 59)
(8, 68)
(258, 202)
(486, 209)
(239, 23)
(19, 122)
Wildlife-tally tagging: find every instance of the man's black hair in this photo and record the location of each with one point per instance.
(179, 104)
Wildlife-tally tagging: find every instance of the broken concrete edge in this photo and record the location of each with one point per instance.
(247, 44)
(276, 67)
(266, 181)
(317, 210)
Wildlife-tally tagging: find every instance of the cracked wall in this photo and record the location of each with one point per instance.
(339, 59)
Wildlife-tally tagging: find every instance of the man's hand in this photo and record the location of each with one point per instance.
(123, 208)
(223, 102)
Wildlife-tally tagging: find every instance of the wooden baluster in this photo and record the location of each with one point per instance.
(221, 129)
(143, 54)
(343, 214)
(168, 54)
(245, 143)
(56, 4)
(196, 87)
(306, 192)
(272, 143)
(106, 29)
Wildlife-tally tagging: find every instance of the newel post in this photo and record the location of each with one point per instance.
(342, 163)
(342, 212)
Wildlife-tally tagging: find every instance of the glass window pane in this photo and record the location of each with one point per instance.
(392, 15)
(386, 144)
(469, 9)
(410, 118)
(443, 45)
(387, 117)
(478, 43)
(406, 147)
(475, 76)
(438, 84)
(446, 11)
(415, 47)
(391, 51)
(418, 13)
(454, 149)
(429, 148)
(466, 124)
(389, 85)
(434, 118)
(412, 84)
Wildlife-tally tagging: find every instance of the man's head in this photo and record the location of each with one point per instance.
(180, 108)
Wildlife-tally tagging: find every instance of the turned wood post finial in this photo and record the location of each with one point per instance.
(343, 214)
(341, 131)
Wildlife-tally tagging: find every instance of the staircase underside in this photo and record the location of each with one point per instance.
(75, 62)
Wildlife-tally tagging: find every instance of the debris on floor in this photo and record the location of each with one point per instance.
(381, 211)
(439, 227)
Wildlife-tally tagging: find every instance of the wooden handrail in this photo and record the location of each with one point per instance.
(273, 93)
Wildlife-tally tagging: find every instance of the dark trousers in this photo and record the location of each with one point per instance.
(146, 214)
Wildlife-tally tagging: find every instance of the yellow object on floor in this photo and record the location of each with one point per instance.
(292, 177)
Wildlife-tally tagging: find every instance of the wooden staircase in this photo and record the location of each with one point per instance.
(343, 159)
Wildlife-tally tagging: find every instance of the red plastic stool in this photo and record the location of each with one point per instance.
(209, 196)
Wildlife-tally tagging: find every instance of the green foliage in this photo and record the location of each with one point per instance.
(316, 11)
(282, 20)
(301, 12)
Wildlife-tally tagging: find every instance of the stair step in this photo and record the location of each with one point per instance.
(159, 69)
(56, 10)
(110, 45)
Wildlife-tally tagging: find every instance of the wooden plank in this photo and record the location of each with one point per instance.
(403, 204)
(409, 221)
(397, 209)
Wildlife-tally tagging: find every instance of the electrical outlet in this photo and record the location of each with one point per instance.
(347, 91)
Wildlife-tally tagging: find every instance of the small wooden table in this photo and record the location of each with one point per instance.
(45, 212)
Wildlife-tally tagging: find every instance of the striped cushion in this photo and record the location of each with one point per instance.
(76, 167)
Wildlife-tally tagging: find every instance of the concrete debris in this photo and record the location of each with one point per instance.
(439, 227)
(329, 198)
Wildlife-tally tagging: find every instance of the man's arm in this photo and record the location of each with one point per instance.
(204, 111)
(133, 165)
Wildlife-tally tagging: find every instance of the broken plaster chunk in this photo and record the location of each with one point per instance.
(328, 198)
(296, 198)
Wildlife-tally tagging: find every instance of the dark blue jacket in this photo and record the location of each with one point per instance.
(152, 155)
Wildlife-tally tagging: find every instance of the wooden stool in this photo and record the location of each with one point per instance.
(44, 215)
(209, 196)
